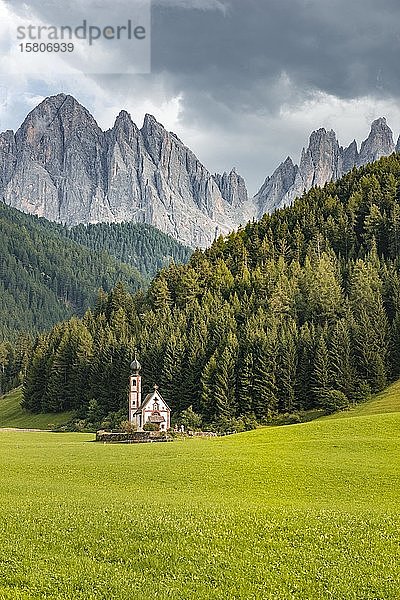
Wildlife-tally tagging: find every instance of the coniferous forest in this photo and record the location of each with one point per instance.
(298, 311)
(49, 272)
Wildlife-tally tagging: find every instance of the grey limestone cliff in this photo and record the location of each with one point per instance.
(379, 143)
(61, 165)
(276, 187)
(232, 187)
(323, 161)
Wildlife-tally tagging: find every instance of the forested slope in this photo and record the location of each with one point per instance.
(299, 310)
(141, 246)
(49, 272)
(45, 277)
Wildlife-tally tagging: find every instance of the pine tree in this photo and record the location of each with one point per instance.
(306, 349)
(265, 402)
(159, 294)
(370, 330)
(208, 380)
(321, 372)
(171, 374)
(245, 382)
(341, 357)
(225, 379)
(321, 290)
(35, 384)
(287, 366)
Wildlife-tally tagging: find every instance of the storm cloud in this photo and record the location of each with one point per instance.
(243, 82)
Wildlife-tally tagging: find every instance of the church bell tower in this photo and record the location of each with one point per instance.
(135, 389)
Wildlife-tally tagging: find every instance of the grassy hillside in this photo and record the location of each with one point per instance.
(303, 512)
(387, 401)
(12, 415)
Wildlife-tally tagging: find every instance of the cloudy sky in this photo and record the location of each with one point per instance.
(241, 82)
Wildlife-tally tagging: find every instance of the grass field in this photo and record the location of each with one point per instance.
(387, 401)
(305, 512)
(12, 415)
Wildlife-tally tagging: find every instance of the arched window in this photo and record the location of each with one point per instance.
(156, 406)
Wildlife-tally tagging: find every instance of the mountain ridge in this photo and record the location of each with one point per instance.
(322, 161)
(61, 165)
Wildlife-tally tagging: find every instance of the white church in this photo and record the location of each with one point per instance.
(153, 409)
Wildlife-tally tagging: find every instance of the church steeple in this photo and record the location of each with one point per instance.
(135, 388)
(135, 365)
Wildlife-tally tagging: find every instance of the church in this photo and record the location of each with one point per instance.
(153, 409)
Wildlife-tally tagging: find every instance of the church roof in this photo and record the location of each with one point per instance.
(155, 395)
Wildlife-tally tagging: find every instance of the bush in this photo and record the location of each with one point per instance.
(249, 421)
(361, 393)
(333, 400)
(292, 418)
(190, 419)
(113, 420)
(151, 427)
(94, 413)
(287, 419)
(128, 426)
(234, 425)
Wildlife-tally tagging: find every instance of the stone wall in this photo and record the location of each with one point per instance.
(136, 437)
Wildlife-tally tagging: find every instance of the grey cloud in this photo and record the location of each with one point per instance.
(344, 48)
(237, 63)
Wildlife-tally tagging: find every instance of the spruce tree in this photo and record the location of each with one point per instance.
(287, 360)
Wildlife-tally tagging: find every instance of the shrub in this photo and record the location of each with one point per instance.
(361, 393)
(333, 400)
(114, 419)
(190, 419)
(128, 426)
(150, 427)
(249, 421)
(293, 418)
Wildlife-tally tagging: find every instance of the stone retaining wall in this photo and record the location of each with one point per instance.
(136, 437)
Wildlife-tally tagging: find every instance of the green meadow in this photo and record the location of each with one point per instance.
(12, 415)
(308, 511)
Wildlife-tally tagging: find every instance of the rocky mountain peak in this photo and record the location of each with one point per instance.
(322, 161)
(123, 117)
(151, 126)
(380, 124)
(56, 115)
(153, 134)
(232, 187)
(124, 128)
(320, 136)
(350, 156)
(62, 166)
(273, 192)
(379, 142)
